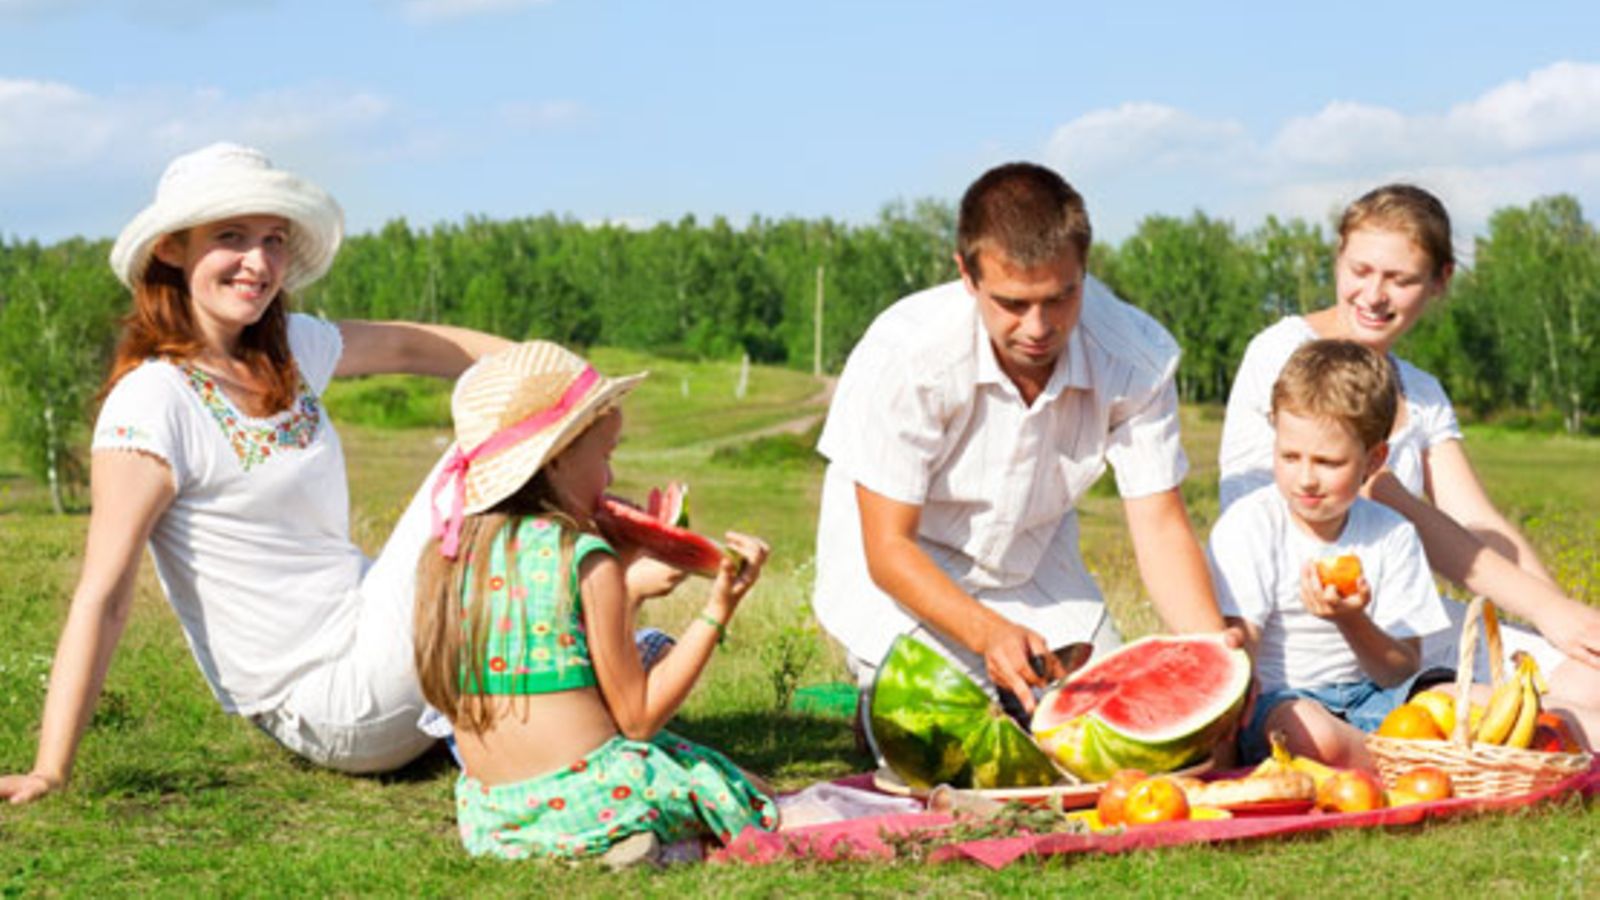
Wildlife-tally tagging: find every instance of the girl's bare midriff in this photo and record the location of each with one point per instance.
(534, 735)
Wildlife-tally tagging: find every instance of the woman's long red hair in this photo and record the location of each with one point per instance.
(160, 326)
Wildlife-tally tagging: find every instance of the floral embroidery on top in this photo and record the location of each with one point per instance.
(254, 441)
(123, 433)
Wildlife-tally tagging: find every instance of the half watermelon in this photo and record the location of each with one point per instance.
(1158, 704)
(934, 725)
(660, 530)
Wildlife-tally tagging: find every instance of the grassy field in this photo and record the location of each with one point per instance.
(171, 797)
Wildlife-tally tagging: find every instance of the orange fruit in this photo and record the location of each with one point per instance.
(1426, 783)
(1350, 790)
(1342, 573)
(1410, 722)
(1441, 706)
(1115, 793)
(1155, 800)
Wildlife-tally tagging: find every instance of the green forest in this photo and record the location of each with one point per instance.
(1514, 340)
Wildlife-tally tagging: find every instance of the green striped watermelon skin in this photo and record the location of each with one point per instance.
(934, 725)
(1158, 704)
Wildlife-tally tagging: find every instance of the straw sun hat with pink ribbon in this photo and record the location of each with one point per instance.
(515, 411)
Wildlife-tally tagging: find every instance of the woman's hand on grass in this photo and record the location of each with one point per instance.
(19, 789)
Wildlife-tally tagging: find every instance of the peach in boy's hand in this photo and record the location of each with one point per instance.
(1342, 573)
(1324, 600)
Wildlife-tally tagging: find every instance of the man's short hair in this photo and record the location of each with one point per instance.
(1343, 381)
(1024, 212)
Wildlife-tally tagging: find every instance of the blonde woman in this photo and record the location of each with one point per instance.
(1394, 263)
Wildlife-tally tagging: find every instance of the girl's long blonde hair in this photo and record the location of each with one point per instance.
(451, 617)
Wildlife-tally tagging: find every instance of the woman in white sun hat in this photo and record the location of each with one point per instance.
(213, 447)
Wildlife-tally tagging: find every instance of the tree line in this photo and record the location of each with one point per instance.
(1516, 332)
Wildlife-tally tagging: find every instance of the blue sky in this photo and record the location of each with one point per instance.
(433, 110)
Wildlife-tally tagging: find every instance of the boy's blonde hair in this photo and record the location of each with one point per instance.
(1343, 381)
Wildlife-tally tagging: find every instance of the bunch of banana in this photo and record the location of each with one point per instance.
(1513, 709)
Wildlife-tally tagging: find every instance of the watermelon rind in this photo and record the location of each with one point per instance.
(1094, 748)
(934, 725)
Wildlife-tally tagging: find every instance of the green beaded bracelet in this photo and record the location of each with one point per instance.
(722, 631)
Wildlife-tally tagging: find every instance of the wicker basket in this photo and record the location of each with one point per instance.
(1477, 770)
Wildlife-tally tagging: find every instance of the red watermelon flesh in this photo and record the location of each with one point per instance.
(625, 523)
(1157, 704)
(670, 504)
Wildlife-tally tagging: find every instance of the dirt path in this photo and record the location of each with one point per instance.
(799, 424)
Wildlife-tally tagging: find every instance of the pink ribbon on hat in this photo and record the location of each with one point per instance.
(456, 465)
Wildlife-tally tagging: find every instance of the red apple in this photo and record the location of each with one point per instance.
(1350, 790)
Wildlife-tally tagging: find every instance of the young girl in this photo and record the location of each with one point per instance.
(524, 631)
(213, 447)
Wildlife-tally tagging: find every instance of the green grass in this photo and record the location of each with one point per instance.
(172, 797)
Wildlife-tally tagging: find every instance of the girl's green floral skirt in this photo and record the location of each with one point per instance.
(668, 785)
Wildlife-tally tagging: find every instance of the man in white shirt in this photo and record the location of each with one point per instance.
(967, 423)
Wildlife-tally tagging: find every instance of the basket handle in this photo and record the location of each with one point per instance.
(1479, 609)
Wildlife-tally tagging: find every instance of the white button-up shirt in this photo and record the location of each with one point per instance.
(924, 415)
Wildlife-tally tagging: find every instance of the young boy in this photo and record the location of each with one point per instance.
(1331, 666)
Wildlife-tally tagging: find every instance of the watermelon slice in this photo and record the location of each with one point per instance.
(934, 725)
(670, 504)
(1158, 704)
(660, 530)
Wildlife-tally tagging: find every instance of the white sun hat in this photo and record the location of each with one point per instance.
(226, 180)
(515, 411)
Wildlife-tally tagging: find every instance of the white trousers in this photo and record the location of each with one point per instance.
(358, 712)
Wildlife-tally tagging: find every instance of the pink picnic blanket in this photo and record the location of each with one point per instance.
(863, 839)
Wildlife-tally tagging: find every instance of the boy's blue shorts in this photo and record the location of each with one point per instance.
(1361, 703)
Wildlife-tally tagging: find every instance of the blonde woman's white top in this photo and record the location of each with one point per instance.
(1245, 456)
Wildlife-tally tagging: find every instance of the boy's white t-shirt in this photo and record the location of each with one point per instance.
(254, 553)
(1256, 554)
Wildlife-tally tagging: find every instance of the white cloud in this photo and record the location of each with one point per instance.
(1156, 135)
(426, 12)
(1553, 106)
(1519, 140)
(76, 162)
(533, 116)
(50, 126)
(37, 9)
(171, 13)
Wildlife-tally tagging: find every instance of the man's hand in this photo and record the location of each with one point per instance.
(1010, 653)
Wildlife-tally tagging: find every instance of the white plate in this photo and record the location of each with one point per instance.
(1069, 796)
